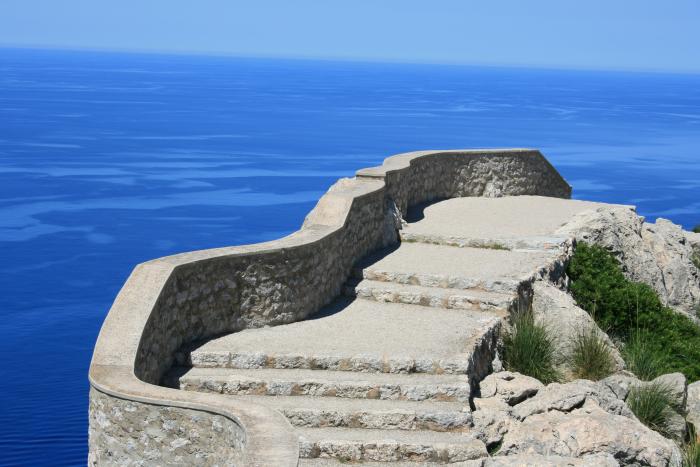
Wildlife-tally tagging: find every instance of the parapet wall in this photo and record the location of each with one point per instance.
(171, 301)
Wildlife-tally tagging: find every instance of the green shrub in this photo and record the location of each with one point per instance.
(696, 229)
(597, 284)
(591, 357)
(626, 308)
(529, 348)
(643, 359)
(652, 406)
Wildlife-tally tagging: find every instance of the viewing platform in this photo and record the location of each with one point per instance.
(361, 337)
(385, 373)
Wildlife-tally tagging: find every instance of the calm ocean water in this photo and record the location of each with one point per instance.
(108, 160)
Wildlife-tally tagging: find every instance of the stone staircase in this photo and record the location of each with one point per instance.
(385, 373)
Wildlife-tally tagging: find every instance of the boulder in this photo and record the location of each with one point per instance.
(569, 396)
(590, 430)
(621, 383)
(677, 387)
(557, 310)
(509, 386)
(676, 383)
(490, 403)
(693, 405)
(676, 426)
(658, 254)
(490, 425)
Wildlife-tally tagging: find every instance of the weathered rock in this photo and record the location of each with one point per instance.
(673, 253)
(558, 311)
(693, 405)
(659, 254)
(589, 430)
(675, 425)
(490, 425)
(491, 403)
(621, 383)
(676, 384)
(509, 386)
(535, 460)
(569, 396)
(677, 387)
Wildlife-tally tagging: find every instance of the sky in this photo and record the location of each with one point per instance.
(650, 35)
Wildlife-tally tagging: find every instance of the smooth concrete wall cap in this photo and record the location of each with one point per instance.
(403, 160)
(332, 208)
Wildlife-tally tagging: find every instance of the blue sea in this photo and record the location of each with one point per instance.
(108, 160)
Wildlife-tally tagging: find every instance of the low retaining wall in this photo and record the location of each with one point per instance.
(171, 301)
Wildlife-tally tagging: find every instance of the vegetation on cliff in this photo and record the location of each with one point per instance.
(657, 339)
(590, 357)
(651, 404)
(529, 348)
(691, 451)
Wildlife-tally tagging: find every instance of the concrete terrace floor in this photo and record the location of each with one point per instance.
(508, 217)
(414, 333)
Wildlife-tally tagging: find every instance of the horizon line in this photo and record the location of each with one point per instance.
(323, 58)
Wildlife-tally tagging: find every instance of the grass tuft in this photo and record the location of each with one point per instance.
(590, 357)
(691, 450)
(494, 246)
(695, 258)
(642, 359)
(529, 348)
(652, 406)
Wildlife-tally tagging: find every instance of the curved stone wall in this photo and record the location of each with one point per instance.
(421, 176)
(175, 300)
(160, 435)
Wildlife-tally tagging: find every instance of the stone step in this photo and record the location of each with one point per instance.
(469, 299)
(331, 384)
(361, 336)
(331, 462)
(364, 363)
(357, 445)
(454, 268)
(521, 244)
(322, 412)
(443, 281)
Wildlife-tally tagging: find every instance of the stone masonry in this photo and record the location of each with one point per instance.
(170, 305)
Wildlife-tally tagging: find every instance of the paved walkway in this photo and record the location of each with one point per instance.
(385, 373)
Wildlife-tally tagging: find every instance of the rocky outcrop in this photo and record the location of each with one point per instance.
(512, 388)
(675, 385)
(568, 396)
(565, 320)
(659, 254)
(588, 430)
(542, 425)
